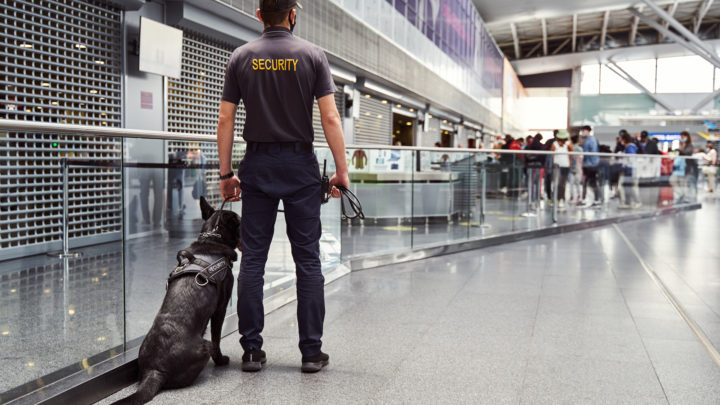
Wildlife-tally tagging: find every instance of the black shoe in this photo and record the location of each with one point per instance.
(253, 360)
(315, 363)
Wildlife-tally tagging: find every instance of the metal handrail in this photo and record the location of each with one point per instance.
(88, 130)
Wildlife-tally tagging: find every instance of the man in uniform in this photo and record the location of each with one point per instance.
(278, 76)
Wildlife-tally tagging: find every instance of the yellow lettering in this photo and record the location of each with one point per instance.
(268, 64)
(281, 64)
(294, 61)
(255, 64)
(274, 64)
(261, 64)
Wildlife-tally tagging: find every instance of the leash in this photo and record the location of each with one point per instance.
(213, 233)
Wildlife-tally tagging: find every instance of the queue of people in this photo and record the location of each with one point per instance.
(572, 176)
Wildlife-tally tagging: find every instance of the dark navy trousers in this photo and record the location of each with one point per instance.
(268, 175)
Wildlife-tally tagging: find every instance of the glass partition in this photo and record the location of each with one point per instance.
(383, 181)
(132, 204)
(61, 275)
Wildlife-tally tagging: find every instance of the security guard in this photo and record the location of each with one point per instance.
(277, 76)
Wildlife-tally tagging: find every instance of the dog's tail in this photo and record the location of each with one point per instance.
(149, 386)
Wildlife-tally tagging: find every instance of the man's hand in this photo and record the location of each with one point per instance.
(338, 179)
(230, 188)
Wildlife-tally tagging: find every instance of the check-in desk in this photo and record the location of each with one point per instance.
(406, 195)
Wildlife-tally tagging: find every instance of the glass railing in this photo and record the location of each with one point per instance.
(121, 203)
(415, 198)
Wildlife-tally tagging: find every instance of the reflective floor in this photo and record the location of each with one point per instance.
(573, 318)
(502, 216)
(50, 328)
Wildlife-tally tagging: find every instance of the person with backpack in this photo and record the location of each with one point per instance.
(590, 164)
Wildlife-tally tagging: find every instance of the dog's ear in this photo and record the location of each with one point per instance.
(206, 209)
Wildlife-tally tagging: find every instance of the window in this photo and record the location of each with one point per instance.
(686, 74)
(641, 70)
(590, 80)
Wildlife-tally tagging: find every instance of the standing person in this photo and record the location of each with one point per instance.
(649, 145)
(575, 177)
(628, 178)
(549, 167)
(534, 166)
(691, 165)
(711, 166)
(277, 77)
(561, 161)
(590, 165)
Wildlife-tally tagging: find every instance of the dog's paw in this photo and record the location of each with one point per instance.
(224, 361)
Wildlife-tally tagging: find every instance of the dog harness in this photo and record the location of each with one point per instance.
(207, 269)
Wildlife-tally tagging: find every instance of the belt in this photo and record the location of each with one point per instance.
(276, 146)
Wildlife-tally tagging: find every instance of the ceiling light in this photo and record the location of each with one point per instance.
(26, 45)
(54, 103)
(399, 106)
(93, 91)
(100, 62)
(80, 46)
(412, 110)
(45, 84)
(5, 332)
(47, 291)
(367, 96)
(384, 101)
(379, 116)
(71, 311)
(408, 123)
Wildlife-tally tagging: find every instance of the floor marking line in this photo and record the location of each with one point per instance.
(693, 326)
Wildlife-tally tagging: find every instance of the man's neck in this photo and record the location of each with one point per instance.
(285, 25)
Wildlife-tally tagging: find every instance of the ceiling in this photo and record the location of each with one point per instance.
(494, 11)
(584, 22)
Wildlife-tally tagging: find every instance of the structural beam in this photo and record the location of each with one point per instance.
(633, 31)
(700, 51)
(705, 101)
(516, 40)
(574, 33)
(702, 12)
(681, 29)
(628, 78)
(544, 36)
(534, 49)
(603, 32)
(562, 45)
(588, 43)
(671, 12)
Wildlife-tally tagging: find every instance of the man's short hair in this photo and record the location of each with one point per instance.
(626, 137)
(587, 128)
(273, 18)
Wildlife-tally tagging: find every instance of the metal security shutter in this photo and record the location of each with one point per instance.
(194, 101)
(60, 61)
(317, 122)
(375, 123)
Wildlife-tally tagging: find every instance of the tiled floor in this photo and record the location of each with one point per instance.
(565, 319)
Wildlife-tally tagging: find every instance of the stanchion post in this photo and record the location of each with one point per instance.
(66, 220)
(556, 182)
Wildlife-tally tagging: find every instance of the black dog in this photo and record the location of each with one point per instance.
(174, 352)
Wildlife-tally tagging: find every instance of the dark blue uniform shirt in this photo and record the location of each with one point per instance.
(278, 76)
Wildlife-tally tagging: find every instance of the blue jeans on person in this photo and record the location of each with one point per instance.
(268, 176)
